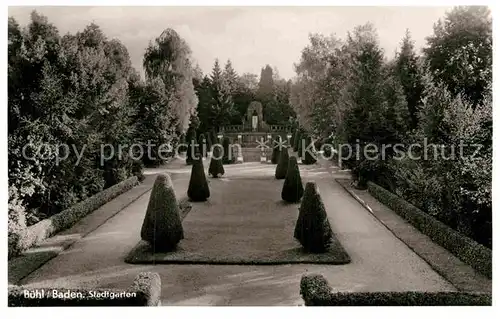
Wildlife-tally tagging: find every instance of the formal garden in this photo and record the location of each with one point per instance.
(184, 188)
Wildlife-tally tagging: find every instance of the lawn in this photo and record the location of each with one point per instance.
(243, 222)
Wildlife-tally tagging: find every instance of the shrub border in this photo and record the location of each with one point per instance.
(146, 288)
(316, 291)
(42, 230)
(472, 253)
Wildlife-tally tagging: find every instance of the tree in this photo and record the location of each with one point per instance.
(168, 59)
(313, 229)
(162, 226)
(221, 102)
(266, 84)
(363, 99)
(282, 167)
(244, 94)
(230, 78)
(460, 51)
(313, 94)
(292, 187)
(249, 81)
(278, 109)
(449, 182)
(408, 72)
(197, 75)
(72, 90)
(198, 190)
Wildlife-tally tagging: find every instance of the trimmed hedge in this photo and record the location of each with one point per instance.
(202, 142)
(282, 166)
(162, 226)
(472, 253)
(308, 158)
(296, 140)
(313, 229)
(292, 187)
(316, 291)
(144, 291)
(42, 230)
(227, 157)
(198, 190)
(216, 169)
(275, 155)
(192, 149)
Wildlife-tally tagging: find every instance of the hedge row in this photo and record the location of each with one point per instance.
(316, 291)
(144, 291)
(40, 231)
(472, 253)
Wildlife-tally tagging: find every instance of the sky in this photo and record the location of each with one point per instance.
(250, 36)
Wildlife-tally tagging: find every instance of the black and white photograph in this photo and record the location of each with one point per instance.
(275, 156)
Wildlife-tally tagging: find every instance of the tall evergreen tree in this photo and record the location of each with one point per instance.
(364, 97)
(206, 113)
(266, 84)
(407, 70)
(221, 99)
(230, 77)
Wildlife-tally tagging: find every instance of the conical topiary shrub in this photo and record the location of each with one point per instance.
(191, 147)
(313, 229)
(162, 226)
(216, 169)
(295, 143)
(209, 141)
(228, 156)
(282, 166)
(309, 158)
(292, 188)
(202, 142)
(298, 142)
(198, 190)
(275, 156)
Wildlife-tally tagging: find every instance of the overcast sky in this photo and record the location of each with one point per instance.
(250, 36)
